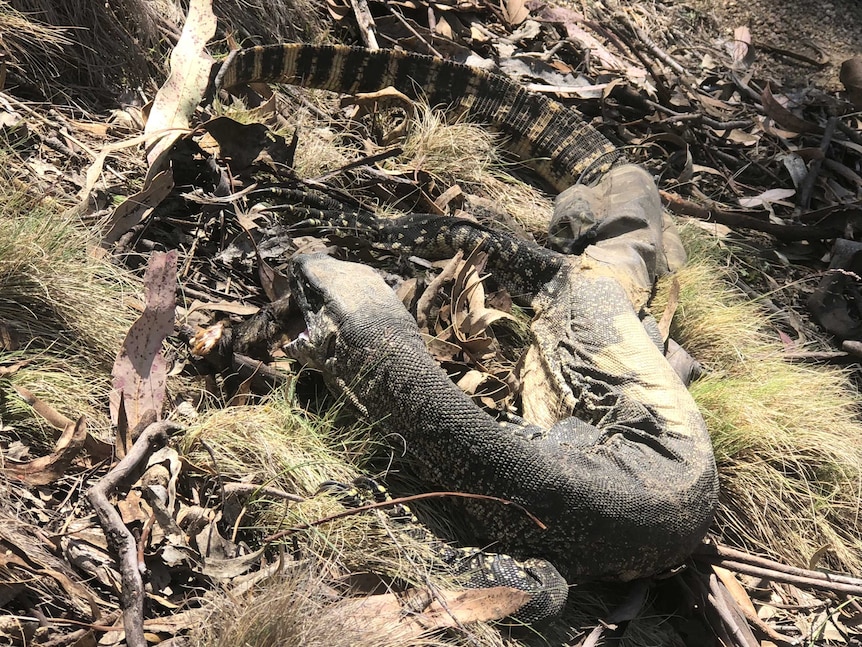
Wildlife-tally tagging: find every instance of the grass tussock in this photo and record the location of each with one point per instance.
(294, 609)
(271, 444)
(787, 436)
(276, 445)
(109, 47)
(64, 307)
(453, 152)
(18, 33)
(102, 47)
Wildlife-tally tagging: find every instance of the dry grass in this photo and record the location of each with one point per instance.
(19, 32)
(452, 152)
(104, 47)
(88, 52)
(787, 436)
(66, 308)
(272, 444)
(277, 445)
(293, 609)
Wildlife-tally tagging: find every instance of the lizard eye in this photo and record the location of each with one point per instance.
(313, 297)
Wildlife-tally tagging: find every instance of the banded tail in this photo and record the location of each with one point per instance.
(553, 139)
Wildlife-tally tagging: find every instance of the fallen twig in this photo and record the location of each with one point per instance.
(394, 502)
(807, 188)
(742, 562)
(365, 22)
(738, 594)
(431, 50)
(729, 612)
(684, 207)
(119, 537)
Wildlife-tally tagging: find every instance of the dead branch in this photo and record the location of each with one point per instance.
(394, 502)
(120, 539)
(742, 562)
(729, 612)
(683, 207)
(365, 22)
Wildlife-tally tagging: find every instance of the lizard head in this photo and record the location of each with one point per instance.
(328, 292)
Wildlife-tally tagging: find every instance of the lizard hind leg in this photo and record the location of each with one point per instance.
(473, 568)
(548, 590)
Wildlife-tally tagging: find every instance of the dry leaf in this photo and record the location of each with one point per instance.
(782, 116)
(180, 95)
(48, 469)
(735, 589)
(767, 197)
(741, 51)
(139, 370)
(378, 615)
(48, 413)
(233, 308)
(338, 10)
(136, 208)
(471, 318)
(571, 20)
(442, 27)
(132, 508)
(406, 292)
(443, 351)
(431, 296)
(275, 285)
(515, 11)
(738, 136)
(95, 169)
(243, 144)
(231, 567)
(669, 310)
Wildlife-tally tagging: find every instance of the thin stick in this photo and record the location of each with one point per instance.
(729, 612)
(740, 556)
(120, 539)
(365, 22)
(807, 188)
(407, 499)
(778, 576)
(783, 232)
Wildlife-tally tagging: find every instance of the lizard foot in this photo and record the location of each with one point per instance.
(474, 568)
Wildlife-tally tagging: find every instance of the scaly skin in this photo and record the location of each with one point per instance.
(626, 484)
(627, 487)
(556, 140)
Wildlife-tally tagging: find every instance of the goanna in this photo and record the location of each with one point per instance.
(625, 483)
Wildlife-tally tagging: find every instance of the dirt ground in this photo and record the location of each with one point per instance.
(830, 30)
(788, 455)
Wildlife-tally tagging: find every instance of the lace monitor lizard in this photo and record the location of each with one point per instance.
(626, 481)
(555, 140)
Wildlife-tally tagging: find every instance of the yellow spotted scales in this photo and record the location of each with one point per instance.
(552, 138)
(625, 482)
